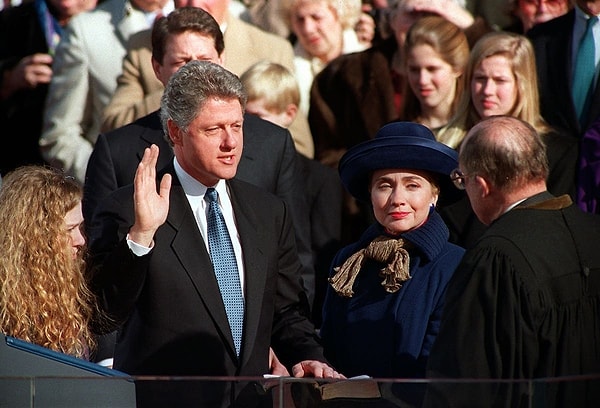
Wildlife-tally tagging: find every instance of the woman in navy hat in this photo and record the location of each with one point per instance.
(383, 306)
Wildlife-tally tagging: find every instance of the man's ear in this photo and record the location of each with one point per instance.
(484, 186)
(156, 67)
(175, 133)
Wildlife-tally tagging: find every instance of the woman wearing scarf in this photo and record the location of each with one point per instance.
(382, 311)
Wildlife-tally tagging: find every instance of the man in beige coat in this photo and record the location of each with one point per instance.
(138, 91)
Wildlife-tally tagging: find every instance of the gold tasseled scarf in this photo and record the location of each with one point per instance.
(382, 249)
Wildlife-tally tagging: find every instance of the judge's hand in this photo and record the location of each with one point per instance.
(151, 207)
(316, 369)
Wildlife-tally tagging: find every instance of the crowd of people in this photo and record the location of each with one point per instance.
(308, 188)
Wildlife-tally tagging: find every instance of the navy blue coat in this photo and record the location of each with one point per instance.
(389, 335)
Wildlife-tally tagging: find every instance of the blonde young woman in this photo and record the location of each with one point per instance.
(44, 296)
(435, 54)
(502, 80)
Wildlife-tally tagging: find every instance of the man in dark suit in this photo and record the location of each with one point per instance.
(555, 43)
(269, 157)
(155, 273)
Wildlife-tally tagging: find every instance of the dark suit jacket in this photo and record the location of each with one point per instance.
(21, 35)
(324, 191)
(169, 300)
(552, 42)
(268, 161)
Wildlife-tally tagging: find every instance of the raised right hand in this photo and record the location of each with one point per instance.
(151, 206)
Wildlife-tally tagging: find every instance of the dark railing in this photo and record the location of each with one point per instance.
(284, 392)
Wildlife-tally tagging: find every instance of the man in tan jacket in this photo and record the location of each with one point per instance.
(139, 91)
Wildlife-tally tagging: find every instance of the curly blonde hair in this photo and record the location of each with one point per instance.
(44, 295)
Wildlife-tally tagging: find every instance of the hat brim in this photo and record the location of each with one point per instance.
(407, 152)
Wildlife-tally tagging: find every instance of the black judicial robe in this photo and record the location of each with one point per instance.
(523, 304)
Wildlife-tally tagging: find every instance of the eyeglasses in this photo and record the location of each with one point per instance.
(458, 178)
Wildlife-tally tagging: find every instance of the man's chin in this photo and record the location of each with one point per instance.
(228, 173)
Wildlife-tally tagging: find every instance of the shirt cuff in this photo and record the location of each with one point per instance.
(137, 249)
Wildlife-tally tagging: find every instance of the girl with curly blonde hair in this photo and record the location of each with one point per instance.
(44, 296)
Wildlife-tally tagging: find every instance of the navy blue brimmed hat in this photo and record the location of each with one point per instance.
(397, 145)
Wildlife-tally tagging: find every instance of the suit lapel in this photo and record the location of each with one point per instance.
(190, 249)
(255, 264)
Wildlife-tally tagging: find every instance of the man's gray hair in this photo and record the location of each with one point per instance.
(506, 150)
(191, 86)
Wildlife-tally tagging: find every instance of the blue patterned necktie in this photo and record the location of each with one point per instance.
(225, 266)
(584, 70)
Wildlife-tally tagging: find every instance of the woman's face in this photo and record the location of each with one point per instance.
(432, 79)
(494, 87)
(402, 198)
(318, 29)
(74, 226)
